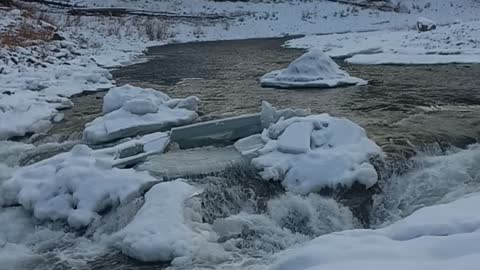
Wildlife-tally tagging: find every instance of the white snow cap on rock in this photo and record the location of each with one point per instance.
(130, 110)
(313, 69)
(424, 24)
(73, 187)
(440, 237)
(317, 151)
(160, 229)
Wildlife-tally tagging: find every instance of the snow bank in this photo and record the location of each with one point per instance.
(38, 76)
(130, 110)
(313, 69)
(317, 151)
(160, 230)
(437, 237)
(54, 68)
(455, 43)
(23, 112)
(74, 187)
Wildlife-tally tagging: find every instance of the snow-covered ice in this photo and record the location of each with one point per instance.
(454, 43)
(23, 112)
(313, 69)
(317, 151)
(160, 231)
(73, 187)
(443, 236)
(130, 110)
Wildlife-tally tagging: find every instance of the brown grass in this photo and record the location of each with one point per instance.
(25, 35)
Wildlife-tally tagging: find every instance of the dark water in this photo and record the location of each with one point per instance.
(401, 106)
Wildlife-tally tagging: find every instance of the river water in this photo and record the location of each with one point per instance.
(405, 109)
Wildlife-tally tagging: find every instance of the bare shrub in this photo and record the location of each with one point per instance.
(26, 34)
(156, 29)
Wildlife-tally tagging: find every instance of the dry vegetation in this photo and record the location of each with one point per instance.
(25, 35)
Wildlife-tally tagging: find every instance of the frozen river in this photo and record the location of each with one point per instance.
(403, 109)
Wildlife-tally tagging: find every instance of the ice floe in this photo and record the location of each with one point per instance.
(129, 111)
(317, 151)
(313, 69)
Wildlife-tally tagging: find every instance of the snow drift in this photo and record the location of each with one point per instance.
(313, 69)
(317, 151)
(130, 110)
(437, 237)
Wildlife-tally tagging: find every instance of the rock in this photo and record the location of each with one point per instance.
(424, 24)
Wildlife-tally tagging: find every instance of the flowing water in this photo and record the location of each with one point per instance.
(419, 115)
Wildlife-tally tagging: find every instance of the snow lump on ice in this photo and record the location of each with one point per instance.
(160, 231)
(317, 151)
(131, 110)
(313, 69)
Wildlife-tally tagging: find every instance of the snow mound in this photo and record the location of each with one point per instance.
(160, 230)
(317, 151)
(437, 237)
(74, 187)
(130, 110)
(313, 69)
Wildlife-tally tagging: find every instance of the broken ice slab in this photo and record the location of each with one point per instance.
(217, 132)
(137, 150)
(192, 162)
(226, 131)
(249, 146)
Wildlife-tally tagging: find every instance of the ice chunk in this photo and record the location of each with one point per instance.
(424, 24)
(313, 69)
(130, 111)
(140, 106)
(160, 231)
(194, 162)
(317, 151)
(270, 115)
(221, 131)
(249, 146)
(296, 138)
(60, 188)
(118, 96)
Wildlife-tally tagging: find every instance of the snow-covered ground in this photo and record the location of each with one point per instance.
(454, 43)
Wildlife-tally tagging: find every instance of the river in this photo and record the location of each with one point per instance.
(405, 109)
